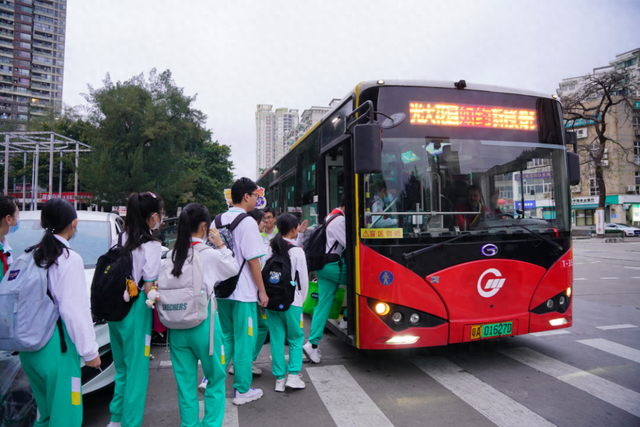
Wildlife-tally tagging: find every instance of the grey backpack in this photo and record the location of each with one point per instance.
(28, 315)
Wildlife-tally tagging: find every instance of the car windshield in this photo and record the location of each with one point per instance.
(92, 241)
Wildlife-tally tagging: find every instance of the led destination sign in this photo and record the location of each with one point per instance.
(479, 116)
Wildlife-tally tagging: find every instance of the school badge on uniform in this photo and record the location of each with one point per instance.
(301, 320)
(147, 345)
(250, 326)
(76, 391)
(222, 351)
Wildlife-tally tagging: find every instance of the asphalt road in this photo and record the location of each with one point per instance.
(588, 375)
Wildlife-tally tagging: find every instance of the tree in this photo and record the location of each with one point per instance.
(602, 100)
(141, 135)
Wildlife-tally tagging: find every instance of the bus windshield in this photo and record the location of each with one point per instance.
(441, 180)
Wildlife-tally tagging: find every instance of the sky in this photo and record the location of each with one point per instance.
(235, 54)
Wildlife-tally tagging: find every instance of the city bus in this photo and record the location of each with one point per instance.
(458, 213)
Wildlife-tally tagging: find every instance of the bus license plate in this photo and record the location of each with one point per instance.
(491, 330)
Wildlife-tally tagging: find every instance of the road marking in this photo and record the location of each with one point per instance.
(637, 277)
(496, 406)
(625, 326)
(634, 268)
(549, 333)
(616, 395)
(595, 262)
(230, 413)
(578, 263)
(339, 392)
(610, 278)
(613, 348)
(579, 278)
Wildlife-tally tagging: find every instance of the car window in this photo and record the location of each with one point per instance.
(91, 242)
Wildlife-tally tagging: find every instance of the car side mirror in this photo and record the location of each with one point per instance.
(573, 167)
(367, 142)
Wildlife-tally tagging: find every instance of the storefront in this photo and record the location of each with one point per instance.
(619, 209)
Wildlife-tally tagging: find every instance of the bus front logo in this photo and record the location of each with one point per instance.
(489, 250)
(493, 285)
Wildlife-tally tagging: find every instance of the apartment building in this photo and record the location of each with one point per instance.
(621, 163)
(32, 41)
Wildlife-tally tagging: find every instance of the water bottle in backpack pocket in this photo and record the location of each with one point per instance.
(184, 299)
(276, 276)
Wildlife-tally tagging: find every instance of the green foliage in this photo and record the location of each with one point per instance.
(146, 136)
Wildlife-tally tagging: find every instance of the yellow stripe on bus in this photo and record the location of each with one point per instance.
(357, 260)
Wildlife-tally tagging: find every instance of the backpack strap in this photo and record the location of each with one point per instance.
(236, 221)
(63, 342)
(297, 279)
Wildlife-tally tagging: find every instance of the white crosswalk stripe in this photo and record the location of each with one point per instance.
(616, 395)
(348, 404)
(230, 413)
(496, 406)
(549, 333)
(613, 348)
(624, 326)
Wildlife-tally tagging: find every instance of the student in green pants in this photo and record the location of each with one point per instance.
(238, 311)
(131, 336)
(330, 277)
(54, 375)
(187, 346)
(288, 324)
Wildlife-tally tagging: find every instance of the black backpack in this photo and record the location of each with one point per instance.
(113, 269)
(314, 248)
(226, 287)
(276, 276)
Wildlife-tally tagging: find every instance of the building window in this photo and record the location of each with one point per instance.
(593, 186)
(636, 121)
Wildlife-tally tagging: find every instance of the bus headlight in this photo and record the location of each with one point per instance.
(562, 300)
(396, 317)
(382, 308)
(569, 292)
(550, 304)
(415, 318)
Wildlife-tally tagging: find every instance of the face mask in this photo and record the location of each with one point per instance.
(14, 228)
(157, 224)
(388, 199)
(75, 233)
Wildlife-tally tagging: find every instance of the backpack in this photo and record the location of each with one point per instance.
(28, 315)
(183, 300)
(316, 245)
(225, 288)
(113, 269)
(276, 276)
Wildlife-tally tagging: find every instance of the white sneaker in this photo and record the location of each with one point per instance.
(254, 369)
(343, 324)
(114, 424)
(202, 387)
(313, 353)
(280, 384)
(295, 381)
(249, 396)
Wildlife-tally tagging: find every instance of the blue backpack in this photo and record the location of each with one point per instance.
(28, 315)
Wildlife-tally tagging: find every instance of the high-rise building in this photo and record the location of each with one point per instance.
(32, 41)
(271, 127)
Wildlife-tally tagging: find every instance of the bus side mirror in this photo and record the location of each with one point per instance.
(367, 142)
(573, 166)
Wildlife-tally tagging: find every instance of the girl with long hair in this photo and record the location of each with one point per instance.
(54, 375)
(288, 324)
(131, 336)
(9, 223)
(187, 346)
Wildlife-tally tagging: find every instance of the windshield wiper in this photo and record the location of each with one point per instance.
(411, 255)
(546, 239)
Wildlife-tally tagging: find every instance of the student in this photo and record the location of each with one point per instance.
(55, 376)
(330, 277)
(238, 311)
(9, 223)
(271, 229)
(263, 328)
(381, 201)
(288, 324)
(187, 346)
(131, 336)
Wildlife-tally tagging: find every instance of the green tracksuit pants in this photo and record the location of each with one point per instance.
(286, 324)
(238, 319)
(263, 330)
(187, 347)
(330, 277)
(131, 344)
(55, 381)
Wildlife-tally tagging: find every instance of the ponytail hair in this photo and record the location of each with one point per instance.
(55, 217)
(140, 207)
(285, 223)
(188, 222)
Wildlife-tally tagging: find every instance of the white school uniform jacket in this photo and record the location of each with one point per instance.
(218, 265)
(298, 264)
(147, 260)
(68, 288)
(247, 246)
(336, 231)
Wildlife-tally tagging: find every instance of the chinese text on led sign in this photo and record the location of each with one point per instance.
(432, 113)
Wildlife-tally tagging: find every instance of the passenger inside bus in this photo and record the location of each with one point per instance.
(383, 202)
(473, 204)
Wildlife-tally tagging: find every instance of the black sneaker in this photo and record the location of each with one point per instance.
(159, 339)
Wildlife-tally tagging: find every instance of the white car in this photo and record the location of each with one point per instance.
(628, 230)
(97, 232)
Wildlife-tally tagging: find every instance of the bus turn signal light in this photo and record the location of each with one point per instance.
(382, 308)
(569, 292)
